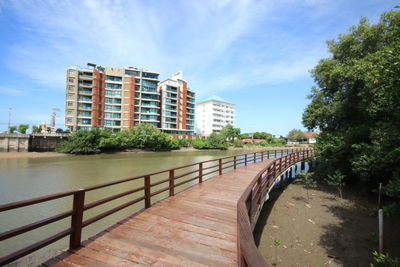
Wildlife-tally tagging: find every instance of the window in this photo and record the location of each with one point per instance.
(170, 119)
(110, 115)
(149, 86)
(69, 119)
(70, 104)
(169, 113)
(84, 106)
(71, 72)
(170, 101)
(113, 93)
(71, 88)
(171, 88)
(149, 110)
(71, 80)
(170, 95)
(70, 111)
(149, 117)
(137, 81)
(149, 103)
(137, 95)
(84, 121)
(85, 113)
(70, 96)
(113, 78)
(150, 75)
(132, 72)
(147, 96)
(113, 100)
(112, 123)
(170, 107)
(112, 108)
(113, 86)
(85, 98)
(137, 88)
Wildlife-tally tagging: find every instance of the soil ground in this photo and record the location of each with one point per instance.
(323, 230)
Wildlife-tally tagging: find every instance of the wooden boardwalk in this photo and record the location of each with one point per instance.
(197, 227)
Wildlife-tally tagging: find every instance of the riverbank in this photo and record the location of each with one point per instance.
(19, 155)
(322, 231)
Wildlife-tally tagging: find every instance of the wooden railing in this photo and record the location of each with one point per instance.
(251, 202)
(196, 172)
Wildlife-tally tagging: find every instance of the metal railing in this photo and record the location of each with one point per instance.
(196, 172)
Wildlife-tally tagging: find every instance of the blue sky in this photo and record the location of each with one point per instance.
(256, 54)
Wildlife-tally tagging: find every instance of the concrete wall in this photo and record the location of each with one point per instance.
(30, 142)
(46, 142)
(14, 142)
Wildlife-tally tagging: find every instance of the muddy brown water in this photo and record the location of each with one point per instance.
(25, 178)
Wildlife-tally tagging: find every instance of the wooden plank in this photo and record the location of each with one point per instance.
(197, 227)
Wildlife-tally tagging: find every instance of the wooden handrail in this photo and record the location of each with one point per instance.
(251, 202)
(79, 206)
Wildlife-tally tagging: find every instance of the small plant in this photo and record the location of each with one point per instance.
(337, 180)
(384, 260)
(307, 180)
(277, 243)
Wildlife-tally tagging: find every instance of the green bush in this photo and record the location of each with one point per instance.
(81, 142)
(183, 142)
(144, 136)
(385, 260)
(237, 143)
(214, 141)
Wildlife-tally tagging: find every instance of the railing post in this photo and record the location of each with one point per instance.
(76, 219)
(245, 159)
(200, 172)
(220, 166)
(268, 155)
(171, 183)
(234, 162)
(147, 200)
(255, 154)
(259, 189)
(262, 155)
(275, 154)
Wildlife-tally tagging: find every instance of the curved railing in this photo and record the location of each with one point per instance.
(251, 202)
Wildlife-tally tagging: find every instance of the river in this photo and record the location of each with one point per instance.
(25, 178)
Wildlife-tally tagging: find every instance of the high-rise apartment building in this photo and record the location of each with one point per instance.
(120, 98)
(177, 106)
(111, 97)
(214, 114)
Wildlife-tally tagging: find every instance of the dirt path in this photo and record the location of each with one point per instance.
(322, 231)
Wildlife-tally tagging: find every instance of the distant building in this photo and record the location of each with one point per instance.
(311, 137)
(177, 106)
(119, 98)
(213, 114)
(111, 97)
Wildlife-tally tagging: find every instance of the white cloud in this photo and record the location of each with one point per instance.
(205, 39)
(11, 91)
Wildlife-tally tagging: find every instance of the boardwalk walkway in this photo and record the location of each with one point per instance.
(197, 227)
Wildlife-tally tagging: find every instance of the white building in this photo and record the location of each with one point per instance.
(213, 114)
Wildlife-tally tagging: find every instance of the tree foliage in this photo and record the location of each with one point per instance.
(355, 103)
(230, 133)
(12, 129)
(22, 128)
(144, 136)
(296, 134)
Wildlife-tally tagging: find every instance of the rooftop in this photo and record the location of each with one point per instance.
(215, 98)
